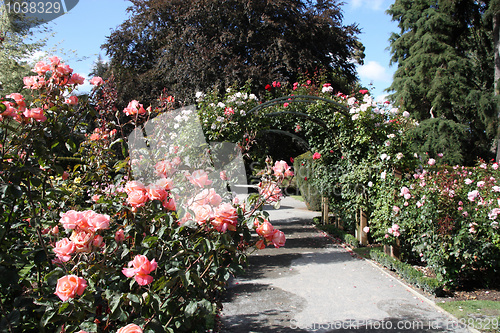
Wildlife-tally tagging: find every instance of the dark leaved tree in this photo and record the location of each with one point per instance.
(189, 46)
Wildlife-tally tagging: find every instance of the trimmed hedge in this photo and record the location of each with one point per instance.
(409, 273)
(302, 166)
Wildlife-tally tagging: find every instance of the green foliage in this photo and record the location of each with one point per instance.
(304, 173)
(408, 273)
(205, 44)
(444, 51)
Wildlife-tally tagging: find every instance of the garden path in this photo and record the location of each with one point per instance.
(315, 285)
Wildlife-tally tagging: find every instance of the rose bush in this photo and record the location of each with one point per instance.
(141, 238)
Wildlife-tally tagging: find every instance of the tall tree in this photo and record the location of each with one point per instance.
(445, 52)
(15, 50)
(186, 46)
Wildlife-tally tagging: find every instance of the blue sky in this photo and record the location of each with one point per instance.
(78, 35)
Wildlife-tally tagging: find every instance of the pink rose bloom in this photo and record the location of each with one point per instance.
(170, 204)
(419, 204)
(41, 68)
(389, 230)
(431, 161)
(134, 108)
(468, 181)
(97, 221)
(396, 233)
(225, 218)
(137, 198)
(280, 167)
(166, 183)
(98, 241)
(19, 99)
(316, 156)
(208, 196)
(156, 192)
(63, 69)
(164, 168)
(96, 197)
(36, 114)
(494, 166)
(366, 229)
(65, 175)
(71, 219)
(223, 175)
(55, 60)
(33, 82)
(278, 238)
(202, 213)
(120, 235)
(473, 195)
(395, 209)
(199, 178)
(82, 240)
(395, 227)
(76, 79)
(72, 100)
(265, 230)
(260, 244)
(130, 328)
(64, 249)
(140, 269)
(134, 185)
(69, 286)
(96, 81)
(480, 184)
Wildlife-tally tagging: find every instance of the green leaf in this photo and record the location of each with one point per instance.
(88, 326)
(191, 309)
(71, 146)
(134, 298)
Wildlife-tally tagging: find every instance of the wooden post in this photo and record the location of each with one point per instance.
(363, 222)
(324, 210)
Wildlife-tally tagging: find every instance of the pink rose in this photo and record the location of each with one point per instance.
(140, 269)
(156, 192)
(134, 185)
(82, 240)
(260, 244)
(64, 249)
(169, 204)
(96, 197)
(97, 221)
(54, 61)
(199, 178)
(69, 286)
(36, 114)
(431, 161)
(278, 238)
(71, 219)
(164, 168)
(120, 235)
(280, 167)
(76, 79)
(316, 156)
(41, 68)
(134, 108)
(225, 218)
(473, 195)
(395, 209)
(223, 175)
(166, 183)
(72, 100)
(96, 81)
(366, 229)
(270, 192)
(63, 69)
(265, 230)
(130, 328)
(202, 213)
(137, 198)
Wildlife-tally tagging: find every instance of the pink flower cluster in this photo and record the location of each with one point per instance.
(134, 108)
(139, 194)
(140, 268)
(84, 226)
(282, 169)
(270, 191)
(270, 235)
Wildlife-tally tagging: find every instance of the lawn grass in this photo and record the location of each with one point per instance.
(298, 197)
(481, 315)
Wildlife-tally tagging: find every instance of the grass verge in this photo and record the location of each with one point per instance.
(484, 316)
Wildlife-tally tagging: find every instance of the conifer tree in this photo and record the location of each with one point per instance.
(444, 51)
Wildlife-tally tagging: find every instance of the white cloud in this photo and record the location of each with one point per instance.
(372, 70)
(371, 4)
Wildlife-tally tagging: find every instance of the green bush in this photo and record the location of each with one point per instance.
(303, 166)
